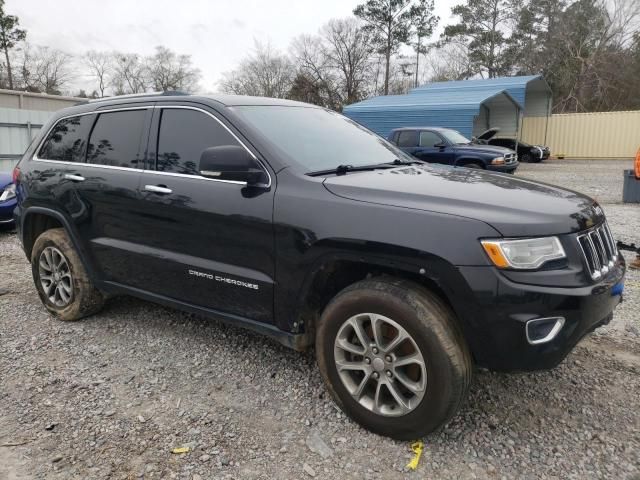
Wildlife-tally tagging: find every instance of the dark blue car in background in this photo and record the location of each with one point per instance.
(444, 145)
(7, 200)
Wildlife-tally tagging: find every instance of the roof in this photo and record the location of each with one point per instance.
(226, 100)
(515, 86)
(427, 127)
(433, 98)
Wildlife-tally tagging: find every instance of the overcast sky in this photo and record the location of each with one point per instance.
(216, 33)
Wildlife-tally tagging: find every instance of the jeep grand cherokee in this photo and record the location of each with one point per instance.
(300, 224)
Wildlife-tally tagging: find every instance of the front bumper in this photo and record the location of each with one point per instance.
(508, 168)
(497, 315)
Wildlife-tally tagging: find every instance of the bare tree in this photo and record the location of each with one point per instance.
(100, 68)
(265, 72)
(129, 74)
(170, 71)
(316, 74)
(349, 51)
(45, 69)
(449, 62)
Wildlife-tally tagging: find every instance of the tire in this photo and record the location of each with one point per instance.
(473, 165)
(432, 328)
(527, 158)
(74, 295)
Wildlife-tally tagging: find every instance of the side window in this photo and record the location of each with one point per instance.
(115, 139)
(429, 139)
(183, 136)
(67, 139)
(408, 138)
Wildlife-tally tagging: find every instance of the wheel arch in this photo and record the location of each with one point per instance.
(36, 220)
(465, 160)
(334, 272)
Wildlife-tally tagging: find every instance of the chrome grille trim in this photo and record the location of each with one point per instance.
(599, 250)
(510, 158)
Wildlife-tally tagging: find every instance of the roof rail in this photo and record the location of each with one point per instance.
(134, 95)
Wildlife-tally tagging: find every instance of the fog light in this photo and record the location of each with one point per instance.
(543, 330)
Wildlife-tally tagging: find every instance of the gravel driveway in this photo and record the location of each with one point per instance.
(113, 395)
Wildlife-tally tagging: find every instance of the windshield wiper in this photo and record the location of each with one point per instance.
(342, 169)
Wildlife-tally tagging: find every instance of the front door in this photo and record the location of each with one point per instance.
(433, 148)
(210, 242)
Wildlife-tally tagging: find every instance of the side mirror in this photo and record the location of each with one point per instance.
(231, 163)
(440, 145)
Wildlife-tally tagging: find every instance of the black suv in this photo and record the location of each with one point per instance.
(300, 224)
(450, 147)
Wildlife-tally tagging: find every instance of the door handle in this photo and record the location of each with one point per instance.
(158, 189)
(74, 178)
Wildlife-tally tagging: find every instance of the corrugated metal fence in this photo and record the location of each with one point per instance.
(17, 129)
(586, 135)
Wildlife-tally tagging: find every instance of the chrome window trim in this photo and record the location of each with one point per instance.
(188, 107)
(92, 165)
(38, 159)
(155, 172)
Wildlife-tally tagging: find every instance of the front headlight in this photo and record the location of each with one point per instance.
(497, 161)
(8, 193)
(526, 254)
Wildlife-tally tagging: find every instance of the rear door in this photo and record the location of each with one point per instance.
(209, 242)
(99, 160)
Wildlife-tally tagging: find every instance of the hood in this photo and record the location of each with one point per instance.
(480, 148)
(6, 178)
(492, 132)
(515, 207)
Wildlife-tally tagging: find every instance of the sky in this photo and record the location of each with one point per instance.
(216, 33)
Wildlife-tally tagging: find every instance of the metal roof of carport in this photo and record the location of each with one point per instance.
(515, 86)
(439, 107)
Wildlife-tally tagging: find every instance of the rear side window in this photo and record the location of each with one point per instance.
(67, 140)
(115, 139)
(184, 135)
(408, 138)
(429, 139)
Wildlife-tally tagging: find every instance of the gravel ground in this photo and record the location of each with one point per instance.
(111, 396)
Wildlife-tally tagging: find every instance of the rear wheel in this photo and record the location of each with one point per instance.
(392, 358)
(60, 278)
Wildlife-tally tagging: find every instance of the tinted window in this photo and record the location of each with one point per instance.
(429, 139)
(115, 139)
(184, 135)
(408, 138)
(67, 139)
(317, 139)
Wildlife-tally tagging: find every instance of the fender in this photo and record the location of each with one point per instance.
(69, 228)
(419, 265)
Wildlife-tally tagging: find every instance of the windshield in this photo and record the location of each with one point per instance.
(318, 139)
(455, 137)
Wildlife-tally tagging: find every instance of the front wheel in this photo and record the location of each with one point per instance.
(392, 357)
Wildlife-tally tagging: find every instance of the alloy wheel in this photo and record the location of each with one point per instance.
(380, 364)
(55, 277)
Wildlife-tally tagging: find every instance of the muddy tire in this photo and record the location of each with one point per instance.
(402, 390)
(61, 279)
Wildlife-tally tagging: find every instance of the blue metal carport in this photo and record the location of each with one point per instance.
(469, 106)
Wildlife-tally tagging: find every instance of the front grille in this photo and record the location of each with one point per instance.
(599, 250)
(510, 158)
